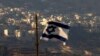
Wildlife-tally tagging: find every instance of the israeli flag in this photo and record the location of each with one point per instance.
(56, 30)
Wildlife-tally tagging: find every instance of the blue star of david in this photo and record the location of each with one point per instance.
(50, 29)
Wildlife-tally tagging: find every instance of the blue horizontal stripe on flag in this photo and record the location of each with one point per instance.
(54, 36)
(59, 24)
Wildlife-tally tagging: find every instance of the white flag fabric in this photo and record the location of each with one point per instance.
(55, 30)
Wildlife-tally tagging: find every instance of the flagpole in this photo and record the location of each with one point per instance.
(37, 41)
